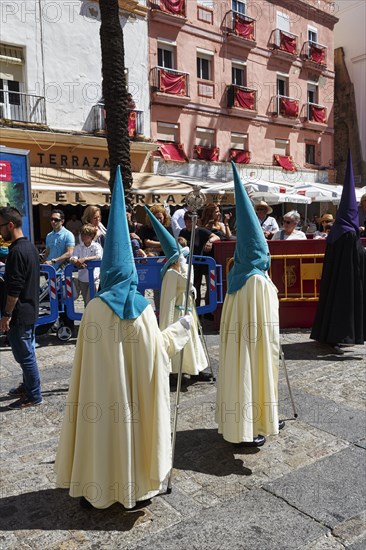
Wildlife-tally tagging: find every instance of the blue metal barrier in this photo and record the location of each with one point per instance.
(148, 271)
(48, 311)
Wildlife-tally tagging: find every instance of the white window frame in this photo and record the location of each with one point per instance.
(205, 137)
(315, 87)
(171, 129)
(314, 31)
(237, 3)
(311, 144)
(169, 46)
(282, 21)
(285, 78)
(282, 147)
(239, 141)
(239, 66)
(205, 55)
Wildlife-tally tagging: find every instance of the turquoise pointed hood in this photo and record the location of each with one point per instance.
(118, 275)
(251, 253)
(171, 248)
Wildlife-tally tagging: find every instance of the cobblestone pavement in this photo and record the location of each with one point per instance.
(304, 489)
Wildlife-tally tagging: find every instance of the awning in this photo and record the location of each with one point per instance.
(78, 186)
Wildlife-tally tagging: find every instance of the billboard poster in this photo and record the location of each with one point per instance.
(15, 186)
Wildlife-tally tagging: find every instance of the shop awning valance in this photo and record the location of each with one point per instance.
(77, 186)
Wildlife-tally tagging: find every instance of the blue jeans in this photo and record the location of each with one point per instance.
(22, 341)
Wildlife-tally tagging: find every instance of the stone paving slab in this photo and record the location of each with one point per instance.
(335, 417)
(257, 520)
(223, 496)
(330, 490)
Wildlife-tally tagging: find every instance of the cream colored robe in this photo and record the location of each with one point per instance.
(115, 443)
(247, 391)
(173, 292)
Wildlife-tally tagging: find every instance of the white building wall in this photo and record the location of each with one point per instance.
(350, 35)
(63, 58)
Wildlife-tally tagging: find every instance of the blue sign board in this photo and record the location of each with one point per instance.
(15, 186)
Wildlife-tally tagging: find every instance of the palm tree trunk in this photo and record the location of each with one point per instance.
(115, 91)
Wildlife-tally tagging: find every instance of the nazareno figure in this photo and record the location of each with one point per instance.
(172, 302)
(340, 316)
(247, 391)
(115, 443)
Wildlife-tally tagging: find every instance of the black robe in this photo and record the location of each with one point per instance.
(341, 314)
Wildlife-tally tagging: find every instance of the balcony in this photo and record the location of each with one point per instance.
(135, 121)
(21, 107)
(284, 44)
(315, 114)
(170, 85)
(314, 55)
(239, 29)
(243, 99)
(170, 12)
(285, 107)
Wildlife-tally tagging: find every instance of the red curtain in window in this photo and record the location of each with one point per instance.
(239, 156)
(286, 163)
(243, 27)
(173, 83)
(289, 107)
(287, 43)
(131, 125)
(244, 99)
(173, 151)
(317, 54)
(173, 6)
(207, 153)
(318, 114)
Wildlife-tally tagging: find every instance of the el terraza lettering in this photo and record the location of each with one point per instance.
(72, 161)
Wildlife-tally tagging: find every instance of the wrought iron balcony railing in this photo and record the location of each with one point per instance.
(314, 53)
(170, 81)
(135, 120)
(286, 106)
(22, 107)
(284, 41)
(316, 113)
(177, 7)
(241, 97)
(240, 25)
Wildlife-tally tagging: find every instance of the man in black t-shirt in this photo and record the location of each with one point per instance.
(20, 310)
(202, 246)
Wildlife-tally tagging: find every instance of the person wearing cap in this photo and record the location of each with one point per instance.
(325, 220)
(115, 443)
(340, 317)
(172, 302)
(362, 215)
(289, 232)
(268, 223)
(247, 390)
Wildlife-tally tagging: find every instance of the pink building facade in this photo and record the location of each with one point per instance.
(251, 81)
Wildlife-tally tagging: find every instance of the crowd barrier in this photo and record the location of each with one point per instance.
(148, 271)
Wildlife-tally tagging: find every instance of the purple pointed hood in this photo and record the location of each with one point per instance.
(347, 213)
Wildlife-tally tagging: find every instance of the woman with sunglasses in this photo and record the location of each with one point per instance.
(289, 231)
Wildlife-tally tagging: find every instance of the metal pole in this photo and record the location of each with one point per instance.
(288, 381)
(179, 380)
